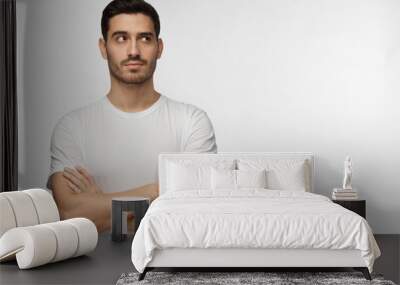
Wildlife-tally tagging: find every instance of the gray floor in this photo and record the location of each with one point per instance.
(102, 266)
(110, 260)
(389, 262)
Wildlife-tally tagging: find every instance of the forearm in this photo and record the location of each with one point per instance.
(149, 191)
(92, 203)
(96, 207)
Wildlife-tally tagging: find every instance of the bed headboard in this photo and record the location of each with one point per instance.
(164, 158)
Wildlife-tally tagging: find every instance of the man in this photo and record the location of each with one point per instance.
(110, 148)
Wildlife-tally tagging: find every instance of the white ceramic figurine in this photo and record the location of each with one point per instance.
(348, 170)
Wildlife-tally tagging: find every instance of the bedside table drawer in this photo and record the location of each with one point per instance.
(357, 206)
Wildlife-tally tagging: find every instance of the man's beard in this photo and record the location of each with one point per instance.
(140, 76)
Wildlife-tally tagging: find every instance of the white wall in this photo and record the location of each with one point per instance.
(311, 75)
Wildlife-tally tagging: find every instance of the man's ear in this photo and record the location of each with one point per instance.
(103, 48)
(160, 48)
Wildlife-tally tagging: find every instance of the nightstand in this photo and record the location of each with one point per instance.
(123, 228)
(357, 206)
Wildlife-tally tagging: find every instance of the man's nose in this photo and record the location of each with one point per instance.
(133, 49)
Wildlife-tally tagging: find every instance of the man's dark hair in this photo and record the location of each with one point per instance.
(117, 7)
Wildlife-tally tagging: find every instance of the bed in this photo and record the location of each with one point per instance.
(246, 210)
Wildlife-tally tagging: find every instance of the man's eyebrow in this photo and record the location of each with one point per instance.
(122, 33)
(146, 34)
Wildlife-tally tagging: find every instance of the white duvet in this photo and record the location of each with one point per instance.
(250, 218)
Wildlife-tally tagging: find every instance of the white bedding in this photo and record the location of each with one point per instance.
(250, 218)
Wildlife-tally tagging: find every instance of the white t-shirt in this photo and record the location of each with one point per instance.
(119, 149)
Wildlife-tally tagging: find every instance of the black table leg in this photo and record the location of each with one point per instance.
(364, 271)
(143, 274)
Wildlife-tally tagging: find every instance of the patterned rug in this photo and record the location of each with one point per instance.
(269, 278)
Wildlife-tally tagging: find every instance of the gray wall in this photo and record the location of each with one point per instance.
(310, 75)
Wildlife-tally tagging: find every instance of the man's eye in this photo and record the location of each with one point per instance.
(146, 38)
(121, 39)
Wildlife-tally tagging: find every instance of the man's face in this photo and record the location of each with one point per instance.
(132, 48)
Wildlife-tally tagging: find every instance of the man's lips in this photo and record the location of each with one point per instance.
(134, 63)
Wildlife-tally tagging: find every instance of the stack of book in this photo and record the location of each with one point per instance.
(344, 194)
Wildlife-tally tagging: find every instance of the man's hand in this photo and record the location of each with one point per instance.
(80, 181)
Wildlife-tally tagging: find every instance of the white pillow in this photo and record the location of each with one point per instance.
(223, 179)
(251, 178)
(282, 174)
(188, 177)
(186, 174)
(237, 179)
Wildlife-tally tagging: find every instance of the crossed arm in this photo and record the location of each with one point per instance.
(76, 192)
(77, 195)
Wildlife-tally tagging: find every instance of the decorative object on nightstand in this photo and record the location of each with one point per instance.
(348, 173)
(123, 226)
(346, 192)
(357, 206)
